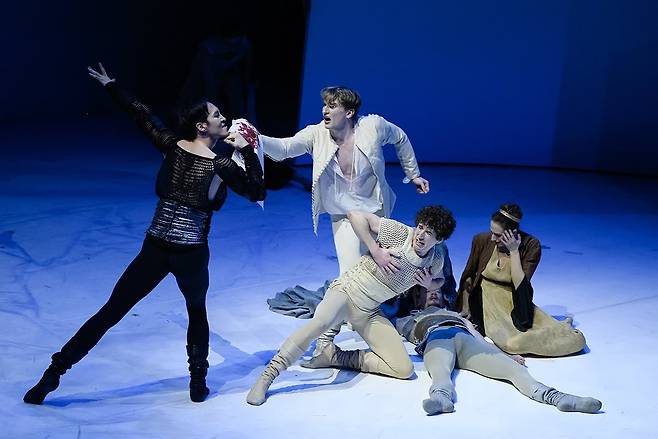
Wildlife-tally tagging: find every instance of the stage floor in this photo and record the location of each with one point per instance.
(74, 214)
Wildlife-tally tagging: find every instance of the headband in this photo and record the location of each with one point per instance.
(510, 216)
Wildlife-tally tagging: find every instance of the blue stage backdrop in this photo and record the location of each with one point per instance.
(557, 83)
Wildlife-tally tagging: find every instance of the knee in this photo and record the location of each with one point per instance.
(404, 370)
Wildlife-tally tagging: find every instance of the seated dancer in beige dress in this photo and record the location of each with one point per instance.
(400, 258)
(496, 293)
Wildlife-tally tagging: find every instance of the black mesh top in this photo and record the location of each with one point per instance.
(185, 177)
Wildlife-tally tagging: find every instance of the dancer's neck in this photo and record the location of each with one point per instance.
(340, 135)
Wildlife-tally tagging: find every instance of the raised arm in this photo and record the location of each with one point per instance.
(247, 182)
(151, 125)
(398, 138)
(366, 224)
(284, 148)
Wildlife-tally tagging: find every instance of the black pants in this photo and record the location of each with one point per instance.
(156, 259)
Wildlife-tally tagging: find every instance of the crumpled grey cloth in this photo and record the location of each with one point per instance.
(297, 302)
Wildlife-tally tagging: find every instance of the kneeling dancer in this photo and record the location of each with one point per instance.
(400, 258)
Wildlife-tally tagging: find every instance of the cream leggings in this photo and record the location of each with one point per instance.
(466, 352)
(388, 356)
(349, 250)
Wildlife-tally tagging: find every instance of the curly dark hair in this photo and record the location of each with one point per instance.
(439, 219)
(505, 222)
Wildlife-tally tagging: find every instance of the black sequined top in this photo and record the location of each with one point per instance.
(189, 186)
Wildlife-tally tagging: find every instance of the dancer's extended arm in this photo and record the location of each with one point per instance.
(162, 137)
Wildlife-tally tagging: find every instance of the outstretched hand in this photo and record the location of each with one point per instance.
(422, 185)
(387, 259)
(100, 75)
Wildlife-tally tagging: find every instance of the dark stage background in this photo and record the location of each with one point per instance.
(562, 83)
(153, 48)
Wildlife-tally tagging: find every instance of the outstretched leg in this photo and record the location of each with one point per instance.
(486, 359)
(142, 275)
(328, 312)
(439, 359)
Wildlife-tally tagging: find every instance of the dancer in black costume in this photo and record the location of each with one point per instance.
(191, 184)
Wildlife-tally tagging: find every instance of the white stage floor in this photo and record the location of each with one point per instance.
(71, 222)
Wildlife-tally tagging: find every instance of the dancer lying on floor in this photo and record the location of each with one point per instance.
(191, 184)
(401, 257)
(446, 340)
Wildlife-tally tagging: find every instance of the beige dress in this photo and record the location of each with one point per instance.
(547, 337)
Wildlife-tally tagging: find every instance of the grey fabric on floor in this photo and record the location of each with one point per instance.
(297, 302)
(300, 302)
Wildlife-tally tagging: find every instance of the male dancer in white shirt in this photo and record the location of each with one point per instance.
(348, 169)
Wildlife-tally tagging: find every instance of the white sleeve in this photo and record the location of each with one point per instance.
(283, 148)
(395, 136)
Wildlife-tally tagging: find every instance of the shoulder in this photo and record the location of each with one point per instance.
(311, 130)
(372, 121)
(393, 233)
(394, 225)
(314, 127)
(170, 140)
(529, 239)
(530, 243)
(481, 238)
